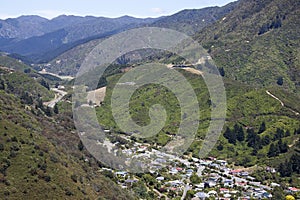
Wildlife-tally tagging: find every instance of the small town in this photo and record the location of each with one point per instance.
(186, 177)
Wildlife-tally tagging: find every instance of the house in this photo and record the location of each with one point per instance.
(61, 87)
(201, 195)
(212, 193)
(130, 181)
(245, 174)
(224, 190)
(160, 178)
(121, 173)
(228, 183)
(235, 171)
(214, 165)
(241, 184)
(179, 169)
(173, 171)
(275, 185)
(267, 195)
(200, 186)
(222, 162)
(211, 183)
(270, 169)
(293, 189)
(175, 183)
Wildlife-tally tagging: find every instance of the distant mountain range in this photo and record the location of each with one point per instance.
(34, 36)
(41, 40)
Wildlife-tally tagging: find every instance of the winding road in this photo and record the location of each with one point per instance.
(59, 94)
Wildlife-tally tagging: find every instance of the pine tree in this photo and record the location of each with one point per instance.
(273, 150)
(222, 71)
(262, 128)
(55, 109)
(240, 134)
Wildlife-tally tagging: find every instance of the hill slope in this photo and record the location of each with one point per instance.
(40, 152)
(192, 21)
(258, 43)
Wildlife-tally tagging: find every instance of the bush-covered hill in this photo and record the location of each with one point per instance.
(258, 43)
(39, 150)
(261, 119)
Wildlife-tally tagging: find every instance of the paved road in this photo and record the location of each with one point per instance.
(59, 94)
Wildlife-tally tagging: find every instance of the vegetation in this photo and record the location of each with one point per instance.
(256, 123)
(257, 43)
(37, 151)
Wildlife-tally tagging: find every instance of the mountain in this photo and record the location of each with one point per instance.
(258, 43)
(22, 27)
(61, 33)
(191, 21)
(187, 21)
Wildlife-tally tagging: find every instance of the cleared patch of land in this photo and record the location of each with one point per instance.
(96, 96)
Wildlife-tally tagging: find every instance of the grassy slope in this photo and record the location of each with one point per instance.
(247, 106)
(18, 83)
(12, 63)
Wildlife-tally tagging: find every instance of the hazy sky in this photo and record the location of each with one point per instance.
(107, 8)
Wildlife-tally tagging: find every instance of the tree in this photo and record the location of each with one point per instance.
(279, 134)
(55, 109)
(2, 85)
(283, 147)
(280, 80)
(27, 70)
(253, 139)
(80, 145)
(287, 133)
(220, 147)
(45, 84)
(262, 128)
(48, 111)
(263, 29)
(295, 163)
(230, 136)
(278, 193)
(266, 140)
(195, 179)
(273, 150)
(240, 134)
(285, 169)
(26, 98)
(149, 180)
(222, 71)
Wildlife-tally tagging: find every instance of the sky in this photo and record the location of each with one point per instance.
(106, 8)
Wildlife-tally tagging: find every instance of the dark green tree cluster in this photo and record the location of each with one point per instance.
(47, 110)
(290, 166)
(2, 84)
(279, 134)
(45, 84)
(262, 128)
(278, 148)
(26, 98)
(253, 140)
(274, 24)
(237, 134)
